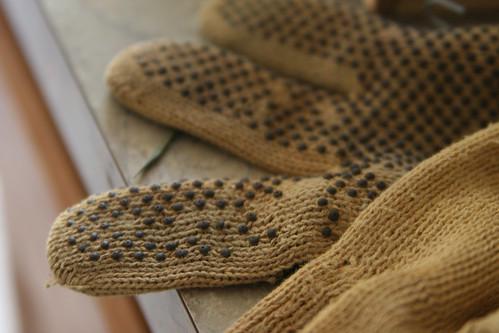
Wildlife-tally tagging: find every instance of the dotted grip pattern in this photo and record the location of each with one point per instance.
(431, 89)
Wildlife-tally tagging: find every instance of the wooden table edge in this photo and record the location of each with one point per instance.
(74, 120)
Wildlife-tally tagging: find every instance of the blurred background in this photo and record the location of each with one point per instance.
(37, 181)
(34, 186)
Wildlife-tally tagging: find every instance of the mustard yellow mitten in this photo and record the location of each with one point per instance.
(173, 233)
(421, 258)
(206, 233)
(342, 46)
(290, 127)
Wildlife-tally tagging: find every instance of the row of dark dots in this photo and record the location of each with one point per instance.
(200, 56)
(429, 138)
(216, 58)
(170, 246)
(202, 225)
(359, 21)
(320, 148)
(205, 93)
(168, 220)
(447, 44)
(302, 146)
(333, 214)
(200, 203)
(267, 13)
(351, 192)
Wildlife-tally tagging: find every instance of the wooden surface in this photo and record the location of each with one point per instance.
(90, 33)
(36, 172)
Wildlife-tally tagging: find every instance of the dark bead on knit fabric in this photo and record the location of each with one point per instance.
(170, 246)
(139, 255)
(238, 203)
(253, 240)
(94, 236)
(82, 247)
(116, 255)
(326, 232)
(150, 246)
(331, 190)
(209, 193)
(148, 221)
(127, 243)
(71, 240)
(333, 215)
(221, 203)
(160, 256)
(181, 253)
(199, 203)
(272, 233)
(203, 225)
(177, 207)
(225, 252)
(322, 202)
(204, 249)
(192, 240)
(381, 185)
(251, 216)
(168, 220)
(242, 229)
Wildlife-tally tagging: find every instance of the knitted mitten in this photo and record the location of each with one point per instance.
(276, 123)
(421, 258)
(206, 233)
(341, 46)
(293, 128)
(174, 233)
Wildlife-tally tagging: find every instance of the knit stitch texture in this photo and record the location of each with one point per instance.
(421, 258)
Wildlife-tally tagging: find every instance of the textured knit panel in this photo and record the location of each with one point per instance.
(339, 45)
(205, 233)
(290, 127)
(169, 233)
(422, 258)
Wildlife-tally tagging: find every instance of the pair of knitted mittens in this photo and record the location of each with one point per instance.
(423, 257)
(405, 94)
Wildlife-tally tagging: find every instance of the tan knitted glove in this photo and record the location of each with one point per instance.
(172, 233)
(293, 128)
(340, 45)
(422, 258)
(205, 233)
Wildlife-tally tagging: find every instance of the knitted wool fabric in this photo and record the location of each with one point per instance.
(204, 233)
(289, 127)
(340, 45)
(174, 234)
(421, 258)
